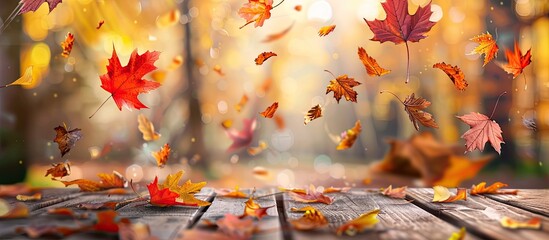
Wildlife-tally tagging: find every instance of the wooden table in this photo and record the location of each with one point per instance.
(412, 218)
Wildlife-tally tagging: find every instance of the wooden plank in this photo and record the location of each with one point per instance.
(50, 196)
(480, 215)
(533, 200)
(399, 219)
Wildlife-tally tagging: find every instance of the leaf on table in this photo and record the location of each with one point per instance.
(370, 64)
(10, 211)
(394, 192)
(168, 19)
(33, 5)
(146, 127)
(314, 113)
(26, 80)
(242, 103)
(253, 209)
(100, 24)
(311, 219)
(66, 45)
(217, 69)
(59, 170)
(516, 62)
(107, 181)
(486, 45)
(492, 189)
(47, 231)
(97, 206)
(414, 107)
(230, 193)
(455, 74)
(365, 221)
(270, 110)
(66, 139)
(532, 223)
(279, 35)
(236, 227)
(401, 27)
(242, 138)
(262, 145)
(312, 196)
(107, 222)
(256, 11)
(483, 129)
(13, 190)
(66, 212)
(460, 235)
(349, 137)
(442, 194)
(326, 30)
(161, 156)
(170, 193)
(263, 57)
(336, 190)
(135, 231)
(24, 198)
(342, 86)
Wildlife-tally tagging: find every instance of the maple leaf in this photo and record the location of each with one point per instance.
(516, 62)
(33, 5)
(67, 45)
(162, 155)
(16, 210)
(270, 111)
(263, 57)
(492, 189)
(243, 100)
(147, 128)
(371, 65)
(401, 27)
(107, 181)
(311, 219)
(241, 138)
(59, 170)
(26, 80)
(458, 235)
(487, 46)
(314, 113)
(184, 194)
(395, 192)
(24, 198)
(100, 24)
(349, 137)
(66, 139)
(365, 221)
(312, 196)
(236, 227)
(455, 74)
(253, 209)
(414, 107)
(125, 83)
(256, 11)
(163, 197)
(532, 223)
(276, 36)
(336, 190)
(326, 30)
(231, 194)
(342, 86)
(442, 194)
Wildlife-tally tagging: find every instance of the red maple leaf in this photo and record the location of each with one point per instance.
(33, 5)
(516, 62)
(163, 197)
(401, 27)
(125, 83)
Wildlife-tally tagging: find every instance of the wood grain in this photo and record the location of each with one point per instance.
(534, 200)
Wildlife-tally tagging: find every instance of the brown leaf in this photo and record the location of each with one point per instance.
(343, 86)
(492, 189)
(314, 113)
(59, 170)
(66, 139)
(24, 198)
(312, 196)
(114, 180)
(455, 74)
(532, 223)
(371, 65)
(100, 24)
(326, 30)
(253, 209)
(96, 206)
(270, 111)
(395, 193)
(349, 137)
(162, 155)
(414, 107)
(16, 210)
(311, 219)
(263, 57)
(336, 190)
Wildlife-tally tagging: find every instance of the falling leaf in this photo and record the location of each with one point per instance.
(336, 190)
(126, 83)
(311, 219)
(256, 11)
(171, 193)
(263, 57)
(371, 65)
(414, 107)
(259, 149)
(236, 227)
(298, 8)
(349, 137)
(401, 27)
(326, 30)
(276, 36)
(66, 139)
(226, 124)
(59, 170)
(33, 5)
(26, 80)
(243, 100)
(314, 113)
(487, 46)
(312, 196)
(96, 206)
(14, 190)
(530, 123)
(442, 194)
(162, 155)
(107, 181)
(16, 210)
(253, 209)
(241, 138)
(262, 173)
(231, 194)
(483, 129)
(100, 24)
(218, 70)
(365, 221)
(279, 121)
(168, 19)
(67, 45)
(532, 223)
(492, 189)
(455, 74)
(270, 111)
(24, 198)
(47, 231)
(516, 62)
(460, 235)
(147, 128)
(394, 192)
(343, 86)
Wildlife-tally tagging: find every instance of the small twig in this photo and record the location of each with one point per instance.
(100, 106)
(393, 95)
(495, 106)
(277, 4)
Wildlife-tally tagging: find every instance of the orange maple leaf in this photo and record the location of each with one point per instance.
(254, 209)
(532, 223)
(314, 113)
(371, 65)
(395, 192)
(326, 30)
(492, 189)
(163, 197)
(256, 11)
(342, 86)
(487, 46)
(312, 196)
(349, 137)
(263, 57)
(516, 62)
(455, 74)
(270, 111)
(162, 155)
(442, 194)
(67, 45)
(59, 170)
(108, 181)
(365, 221)
(414, 107)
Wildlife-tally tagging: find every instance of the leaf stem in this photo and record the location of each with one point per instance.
(525, 84)
(328, 71)
(100, 106)
(495, 106)
(408, 62)
(277, 4)
(393, 95)
(5, 86)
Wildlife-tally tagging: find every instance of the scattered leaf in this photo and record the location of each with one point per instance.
(66, 212)
(66, 139)
(516, 62)
(336, 190)
(243, 101)
(59, 170)
(259, 149)
(26, 80)
(170, 193)
(442, 194)
(276, 36)
(365, 221)
(33, 5)
(231, 194)
(100, 24)
(168, 19)
(24, 198)
(326, 30)
(371, 65)
(414, 107)
(483, 129)
(311, 219)
(460, 235)
(67, 45)
(107, 181)
(492, 189)
(236, 227)
(270, 110)
(14, 190)
(395, 193)
(314, 113)
(263, 57)
(107, 223)
(46, 231)
(16, 210)
(256, 11)
(146, 127)
(312, 196)
(487, 46)
(262, 173)
(460, 168)
(218, 70)
(241, 138)
(455, 74)
(532, 223)
(349, 137)
(162, 155)
(253, 209)
(342, 86)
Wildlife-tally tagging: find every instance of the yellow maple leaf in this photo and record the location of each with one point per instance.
(359, 224)
(186, 191)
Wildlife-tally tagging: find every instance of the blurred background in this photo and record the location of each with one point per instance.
(218, 69)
